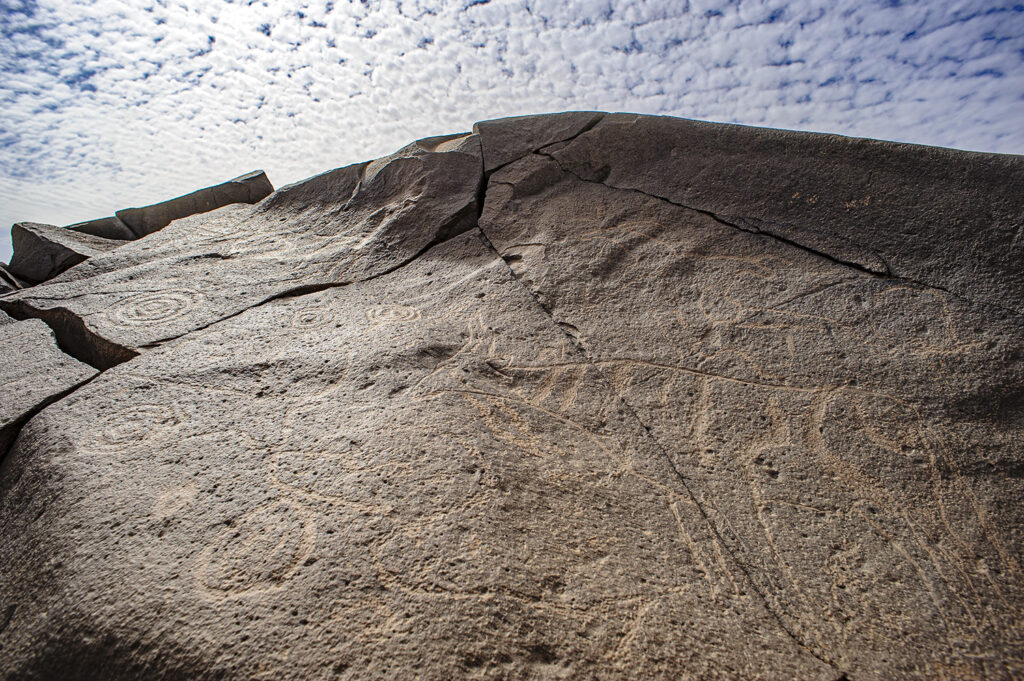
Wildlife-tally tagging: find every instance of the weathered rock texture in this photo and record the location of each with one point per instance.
(108, 228)
(574, 396)
(33, 373)
(248, 188)
(42, 252)
(9, 282)
(343, 226)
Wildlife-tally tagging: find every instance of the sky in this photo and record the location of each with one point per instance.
(107, 104)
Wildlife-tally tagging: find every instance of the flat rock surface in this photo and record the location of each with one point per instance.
(511, 519)
(580, 396)
(345, 225)
(33, 373)
(42, 252)
(943, 217)
(850, 437)
(508, 139)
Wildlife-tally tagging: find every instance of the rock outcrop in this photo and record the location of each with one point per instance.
(248, 188)
(33, 374)
(108, 228)
(571, 396)
(42, 252)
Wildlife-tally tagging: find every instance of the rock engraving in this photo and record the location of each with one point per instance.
(385, 314)
(149, 309)
(260, 551)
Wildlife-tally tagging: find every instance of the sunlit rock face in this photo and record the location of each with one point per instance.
(568, 397)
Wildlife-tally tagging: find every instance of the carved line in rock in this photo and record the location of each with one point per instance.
(949, 565)
(312, 318)
(392, 313)
(257, 553)
(746, 577)
(137, 426)
(887, 274)
(950, 568)
(160, 307)
(449, 231)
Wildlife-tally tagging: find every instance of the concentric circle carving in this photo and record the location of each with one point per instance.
(158, 307)
(258, 552)
(392, 313)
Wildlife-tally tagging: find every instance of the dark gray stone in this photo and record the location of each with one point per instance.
(249, 188)
(943, 217)
(108, 228)
(42, 252)
(9, 282)
(33, 373)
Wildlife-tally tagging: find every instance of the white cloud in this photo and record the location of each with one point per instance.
(110, 103)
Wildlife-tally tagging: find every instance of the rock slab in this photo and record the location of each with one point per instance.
(33, 373)
(248, 188)
(107, 228)
(579, 396)
(345, 225)
(42, 252)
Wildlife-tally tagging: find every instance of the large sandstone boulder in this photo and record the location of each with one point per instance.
(557, 399)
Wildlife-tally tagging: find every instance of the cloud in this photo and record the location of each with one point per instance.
(108, 104)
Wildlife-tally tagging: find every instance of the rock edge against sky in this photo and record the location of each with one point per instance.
(580, 395)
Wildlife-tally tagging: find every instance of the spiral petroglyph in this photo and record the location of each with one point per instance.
(312, 318)
(258, 552)
(384, 314)
(137, 425)
(147, 309)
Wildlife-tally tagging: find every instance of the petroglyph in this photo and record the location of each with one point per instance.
(149, 309)
(384, 314)
(312, 318)
(265, 247)
(142, 425)
(257, 552)
(638, 405)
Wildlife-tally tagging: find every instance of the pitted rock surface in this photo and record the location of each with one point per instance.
(33, 373)
(575, 396)
(343, 226)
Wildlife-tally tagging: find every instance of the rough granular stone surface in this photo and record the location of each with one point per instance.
(579, 396)
(42, 252)
(33, 373)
